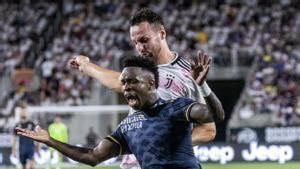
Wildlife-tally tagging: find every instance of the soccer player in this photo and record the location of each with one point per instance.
(148, 34)
(58, 130)
(26, 146)
(157, 132)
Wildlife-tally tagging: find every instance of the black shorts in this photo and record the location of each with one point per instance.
(26, 155)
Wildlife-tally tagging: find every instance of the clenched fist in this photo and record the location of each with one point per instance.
(79, 62)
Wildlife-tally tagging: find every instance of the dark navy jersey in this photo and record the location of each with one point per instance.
(160, 136)
(26, 144)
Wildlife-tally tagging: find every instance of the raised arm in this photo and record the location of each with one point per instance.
(200, 68)
(105, 150)
(106, 77)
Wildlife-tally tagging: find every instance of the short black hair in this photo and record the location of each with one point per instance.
(144, 63)
(146, 15)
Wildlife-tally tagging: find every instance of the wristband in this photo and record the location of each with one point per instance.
(205, 90)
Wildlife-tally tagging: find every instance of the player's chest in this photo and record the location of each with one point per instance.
(173, 80)
(144, 125)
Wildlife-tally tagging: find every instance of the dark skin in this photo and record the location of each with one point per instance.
(139, 90)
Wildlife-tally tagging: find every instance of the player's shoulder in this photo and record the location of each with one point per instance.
(180, 102)
(180, 62)
(177, 107)
(184, 100)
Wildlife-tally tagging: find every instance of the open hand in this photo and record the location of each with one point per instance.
(200, 67)
(39, 134)
(78, 62)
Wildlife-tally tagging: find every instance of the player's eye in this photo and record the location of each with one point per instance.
(123, 82)
(144, 40)
(134, 81)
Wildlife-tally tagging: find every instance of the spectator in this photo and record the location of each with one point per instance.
(57, 130)
(91, 138)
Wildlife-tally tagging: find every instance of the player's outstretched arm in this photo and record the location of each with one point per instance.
(105, 150)
(106, 77)
(200, 69)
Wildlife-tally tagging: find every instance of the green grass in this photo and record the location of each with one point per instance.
(252, 165)
(68, 166)
(290, 165)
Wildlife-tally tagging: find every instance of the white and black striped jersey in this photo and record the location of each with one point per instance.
(175, 81)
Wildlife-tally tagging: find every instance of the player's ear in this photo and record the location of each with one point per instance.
(162, 33)
(151, 84)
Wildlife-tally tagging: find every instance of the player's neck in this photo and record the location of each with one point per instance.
(151, 100)
(166, 56)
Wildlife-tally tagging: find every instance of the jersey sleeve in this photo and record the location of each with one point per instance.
(192, 91)
(118, 138)
(179, 110)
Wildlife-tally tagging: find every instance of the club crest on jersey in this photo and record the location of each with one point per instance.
(170, 78)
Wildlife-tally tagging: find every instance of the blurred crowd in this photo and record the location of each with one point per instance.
(274, 89)
(232, 32)
(21, 25)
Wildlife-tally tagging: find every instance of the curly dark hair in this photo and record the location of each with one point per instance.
(144, 63)
(146, 15)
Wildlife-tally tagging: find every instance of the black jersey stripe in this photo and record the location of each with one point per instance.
(182, 63)
(186, 63)
(183, 66)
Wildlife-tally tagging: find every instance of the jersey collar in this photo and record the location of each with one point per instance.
(175, 59)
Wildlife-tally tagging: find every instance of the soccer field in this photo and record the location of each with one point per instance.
(291, 165)
(294, 165)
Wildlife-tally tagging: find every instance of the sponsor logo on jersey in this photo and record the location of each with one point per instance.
(132, 122)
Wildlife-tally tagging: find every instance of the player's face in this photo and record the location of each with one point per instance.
(136, 86)
(147, 40)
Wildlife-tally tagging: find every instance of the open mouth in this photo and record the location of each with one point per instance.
(132, 100)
